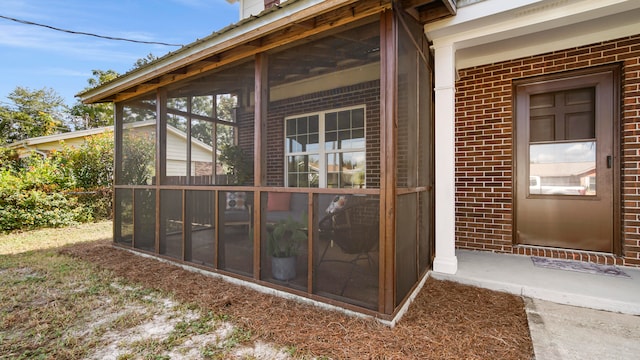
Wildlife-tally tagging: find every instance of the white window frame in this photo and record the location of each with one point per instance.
(322, 151)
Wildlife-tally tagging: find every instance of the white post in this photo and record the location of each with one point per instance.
(445, 76)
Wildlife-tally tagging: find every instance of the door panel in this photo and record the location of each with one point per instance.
(564, 146)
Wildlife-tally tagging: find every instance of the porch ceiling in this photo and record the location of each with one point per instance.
(429, 10)
(493, 31)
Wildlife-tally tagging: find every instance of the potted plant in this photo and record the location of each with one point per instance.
(283, 242)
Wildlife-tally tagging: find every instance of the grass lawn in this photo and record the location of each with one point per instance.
(54, 306)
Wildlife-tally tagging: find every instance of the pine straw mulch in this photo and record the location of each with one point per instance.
(446, 321)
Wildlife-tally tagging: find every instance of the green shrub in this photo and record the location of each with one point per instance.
(70, 186)
(24, 206)
(92, 163)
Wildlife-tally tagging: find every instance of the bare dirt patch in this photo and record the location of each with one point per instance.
(446, 321)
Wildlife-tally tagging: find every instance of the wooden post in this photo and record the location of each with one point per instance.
(388, 154)
(259, 151)
(161, 155)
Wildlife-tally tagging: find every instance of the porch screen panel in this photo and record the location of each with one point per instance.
(425, 160)
(424, 231)
(406, 245)
(425, 121)
(138, 147)
(324, 109)
(235, 214)
(203, 169)
(407, 148)
(176, 167)
(171, 223)
(285, 250)
(144, 228)
(210, 128)
(346, 248)
(200, 227)
(123, 216)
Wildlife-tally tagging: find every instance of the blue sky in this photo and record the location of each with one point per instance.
(36, 57)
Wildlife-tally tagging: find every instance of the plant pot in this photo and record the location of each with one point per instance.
(283, 268)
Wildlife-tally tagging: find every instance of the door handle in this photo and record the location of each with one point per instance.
(609, 161)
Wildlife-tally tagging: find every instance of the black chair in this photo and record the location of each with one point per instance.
(355, 230)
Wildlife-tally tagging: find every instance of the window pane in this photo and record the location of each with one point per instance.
(562, 168)
(331, 122)
(291, 127)
(202, 105)
(346, 170)
(138, 160)
(303, 170)
(344, 120)
(357, 118)
(357, 139)
(331, 140)
(202, 159)
(176, 145)
(302, 125)
(226, 105)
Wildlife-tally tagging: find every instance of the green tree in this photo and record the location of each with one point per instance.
(33, 113)
(91, 163)
(144, 61)
(138, 156)
(86, 116)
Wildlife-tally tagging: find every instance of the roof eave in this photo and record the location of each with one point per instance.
(244, 31)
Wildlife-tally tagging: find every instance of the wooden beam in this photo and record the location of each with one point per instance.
(161, 156)
(415, 3)
(259, 151)
(430, 14)
(388, 116)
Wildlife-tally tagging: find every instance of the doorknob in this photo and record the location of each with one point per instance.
(609, 161)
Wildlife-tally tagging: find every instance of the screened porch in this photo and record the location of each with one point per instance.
(316, 146)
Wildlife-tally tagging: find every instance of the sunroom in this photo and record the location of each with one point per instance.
(292, 151)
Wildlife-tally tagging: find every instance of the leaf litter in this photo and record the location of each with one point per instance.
(446, 321)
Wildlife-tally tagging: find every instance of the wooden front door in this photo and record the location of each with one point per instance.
(566, 161)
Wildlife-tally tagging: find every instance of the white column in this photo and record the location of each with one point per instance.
(445, 76)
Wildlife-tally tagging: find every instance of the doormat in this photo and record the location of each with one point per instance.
(579, 266)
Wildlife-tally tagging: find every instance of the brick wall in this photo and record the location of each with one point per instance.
(367, 94)
(484, 148)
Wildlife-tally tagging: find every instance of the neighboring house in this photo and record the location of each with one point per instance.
(202, 158)
(44, 145)
(443, 109)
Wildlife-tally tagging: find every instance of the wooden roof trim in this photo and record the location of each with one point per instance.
(361, 10)
(204, 49)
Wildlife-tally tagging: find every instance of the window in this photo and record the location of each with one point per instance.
(326, 149)
(562, 146)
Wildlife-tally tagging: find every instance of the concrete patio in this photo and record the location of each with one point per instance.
(572, 315)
